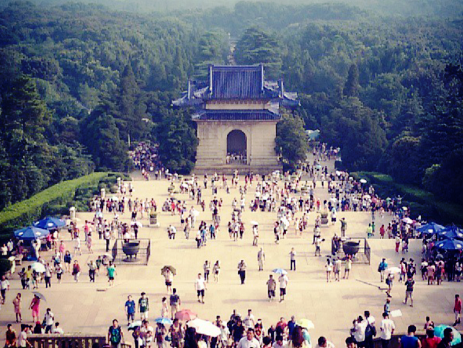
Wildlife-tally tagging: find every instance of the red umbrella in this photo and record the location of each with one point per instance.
(185, 314)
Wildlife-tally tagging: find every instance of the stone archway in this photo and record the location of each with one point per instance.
(236, 147)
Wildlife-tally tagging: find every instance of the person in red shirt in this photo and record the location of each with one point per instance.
(457, 309)
(281, 327)
(430, 341)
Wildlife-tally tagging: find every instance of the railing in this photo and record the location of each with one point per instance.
(367, 250)
(67, 341)
(141, 258)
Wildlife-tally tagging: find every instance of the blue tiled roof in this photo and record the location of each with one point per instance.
(236, 82)
(236, 115)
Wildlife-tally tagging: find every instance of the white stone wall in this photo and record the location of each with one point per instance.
(260, 136)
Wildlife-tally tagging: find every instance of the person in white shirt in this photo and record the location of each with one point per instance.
(279, 342)
(371, 320)
(249, 320)
(249, 341)
(4, 286)
(283, 279)
(57, 330)
(49, 320)
(359, 330)
(22, 338)
(324, 343)
(146, 334)
(387, 329)
(200, 286)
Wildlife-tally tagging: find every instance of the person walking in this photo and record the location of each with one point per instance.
(410, 283)
(283, 279)
(207, 270)
(271, 287)
(49, 320)
(130, 309)
(175, 303)
(17, 307)
(4, 287)
(115, 334)
(343, 227)
(76, 270)
(261, 259)
(35, 308)
(111, 273)
(457, 309)
(92, 270)
(216, 271)
(387, 329)
(242, 271)
(329, 269)
(292, 257)
(143, 306)
(382, 269)
(200, 287)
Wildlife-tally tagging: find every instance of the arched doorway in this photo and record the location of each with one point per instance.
(236, 147)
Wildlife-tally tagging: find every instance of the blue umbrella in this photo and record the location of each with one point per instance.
(31, 233)
(430, 228)
(439, 332)
(451, 232)
(450, 244)
(164, 321)
(279, 271)
(49, 223)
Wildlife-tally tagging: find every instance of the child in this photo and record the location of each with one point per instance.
(387, 306)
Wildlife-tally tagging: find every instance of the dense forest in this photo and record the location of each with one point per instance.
(79, 83)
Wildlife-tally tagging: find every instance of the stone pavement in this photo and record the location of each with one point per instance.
(89, 308)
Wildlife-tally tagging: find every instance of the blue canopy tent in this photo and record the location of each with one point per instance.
(451, 233)
(450, 244)
(430, 228)
(49, 223)
(31, 233)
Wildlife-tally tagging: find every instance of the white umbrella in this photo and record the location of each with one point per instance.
(38, 267)
(363, 181)
(254, 223)
(109, 256)
(407, 220)
(138, 223)
(393, 270)
(135, 324)
(204, 327)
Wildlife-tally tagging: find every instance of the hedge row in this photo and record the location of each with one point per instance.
(420, 201)
(56, 200)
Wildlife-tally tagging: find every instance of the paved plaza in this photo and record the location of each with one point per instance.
(89, 307)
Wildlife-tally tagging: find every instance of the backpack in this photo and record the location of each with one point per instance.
(370, 331)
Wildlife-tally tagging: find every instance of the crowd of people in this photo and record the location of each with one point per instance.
(291, 198)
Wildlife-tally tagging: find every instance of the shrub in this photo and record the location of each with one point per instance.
(5, 266)
(55, 200)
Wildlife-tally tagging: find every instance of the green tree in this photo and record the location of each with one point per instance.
(351, 88)
(101, 136)
(177, 142)
(259, 47)
(291, 140)
(132, 107)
